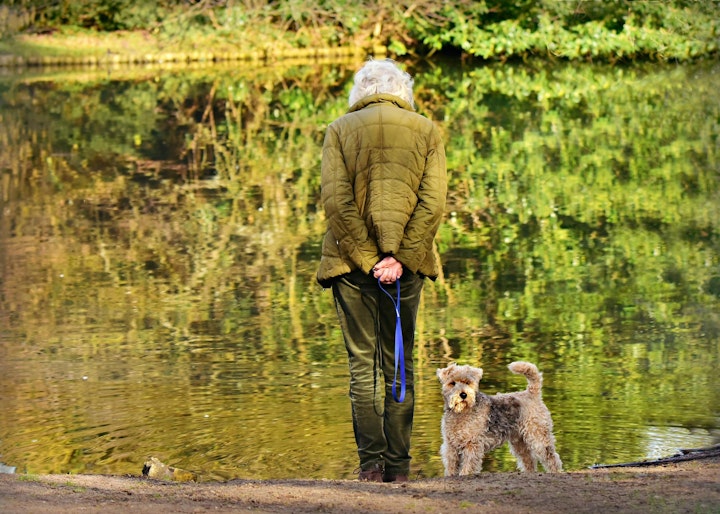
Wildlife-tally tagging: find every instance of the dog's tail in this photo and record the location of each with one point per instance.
(533, 375)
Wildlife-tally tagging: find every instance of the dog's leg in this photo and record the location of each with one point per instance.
(550, 459)
(451, 460)
(471, 457)
(543, 450)
(523, 454)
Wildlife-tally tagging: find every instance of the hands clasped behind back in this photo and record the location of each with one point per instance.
(388, 270)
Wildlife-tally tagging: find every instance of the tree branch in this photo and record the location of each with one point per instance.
(682, 456)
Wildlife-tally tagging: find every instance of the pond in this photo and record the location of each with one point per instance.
(160, 231)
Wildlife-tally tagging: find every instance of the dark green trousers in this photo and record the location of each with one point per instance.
(367, 317)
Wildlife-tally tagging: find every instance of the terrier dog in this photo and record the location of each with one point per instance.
(475, 423)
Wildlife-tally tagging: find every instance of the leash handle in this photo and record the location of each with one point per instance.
(399, 345)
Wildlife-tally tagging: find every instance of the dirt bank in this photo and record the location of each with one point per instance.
(684, 487)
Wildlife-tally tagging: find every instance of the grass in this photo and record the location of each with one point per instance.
(82, 46)
(30, 477)
(79, 42)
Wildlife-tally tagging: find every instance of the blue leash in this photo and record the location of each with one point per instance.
(399, 347)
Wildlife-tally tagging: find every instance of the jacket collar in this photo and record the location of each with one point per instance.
(380, 98)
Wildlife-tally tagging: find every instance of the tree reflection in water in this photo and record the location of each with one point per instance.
(160, 233)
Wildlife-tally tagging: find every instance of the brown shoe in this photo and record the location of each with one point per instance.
(374, 474)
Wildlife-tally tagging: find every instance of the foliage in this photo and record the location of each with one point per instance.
(106, 15)
(580, 30)
(489, 29)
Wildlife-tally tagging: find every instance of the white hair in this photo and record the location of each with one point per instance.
(384, 76)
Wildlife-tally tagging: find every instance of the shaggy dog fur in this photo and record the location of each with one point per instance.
(475, 423)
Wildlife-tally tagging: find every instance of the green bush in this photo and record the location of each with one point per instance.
(491, 29)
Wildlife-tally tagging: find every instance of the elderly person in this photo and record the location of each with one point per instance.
(383, 190)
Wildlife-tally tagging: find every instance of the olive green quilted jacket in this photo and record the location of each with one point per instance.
(384, 184)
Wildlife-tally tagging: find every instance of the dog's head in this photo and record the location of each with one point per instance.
(460, 386)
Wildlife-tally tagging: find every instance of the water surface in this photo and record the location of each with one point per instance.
(160, 231)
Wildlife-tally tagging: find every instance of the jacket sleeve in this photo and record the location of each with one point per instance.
(341, 208)
(425, 219)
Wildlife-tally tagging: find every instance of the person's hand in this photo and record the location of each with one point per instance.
(388, 270)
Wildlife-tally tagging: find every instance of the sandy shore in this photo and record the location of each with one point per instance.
(692, 487)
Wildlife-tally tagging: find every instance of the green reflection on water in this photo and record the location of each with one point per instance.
(160, 233)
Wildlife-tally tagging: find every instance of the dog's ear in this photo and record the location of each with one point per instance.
(443, 373)
(477, 374)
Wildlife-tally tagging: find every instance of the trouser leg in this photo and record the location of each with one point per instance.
(382, 426)
(398, 419)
